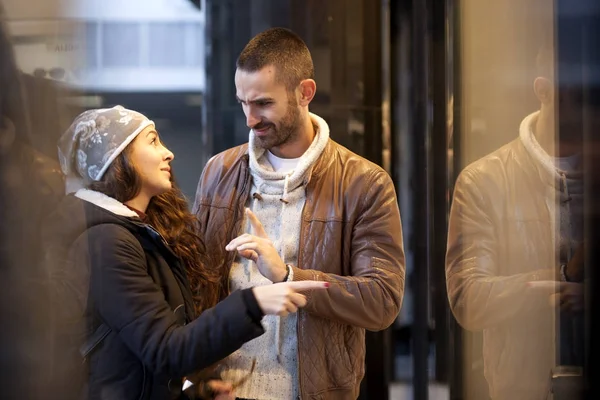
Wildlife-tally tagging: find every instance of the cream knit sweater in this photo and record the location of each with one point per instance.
(277, 199)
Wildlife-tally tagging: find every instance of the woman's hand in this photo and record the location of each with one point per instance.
(222, 390)
(214, 389)
(284, 298)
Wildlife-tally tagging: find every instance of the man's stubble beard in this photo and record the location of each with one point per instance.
(287, 130)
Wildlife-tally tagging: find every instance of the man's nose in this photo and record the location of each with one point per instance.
(251, 119)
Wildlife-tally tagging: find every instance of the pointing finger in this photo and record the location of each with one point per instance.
(307, 285)
(256, 225)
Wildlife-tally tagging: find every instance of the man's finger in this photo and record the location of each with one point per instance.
(248, 246)
(255, 222)
(249, 255)
(240, 240)
(307, 285)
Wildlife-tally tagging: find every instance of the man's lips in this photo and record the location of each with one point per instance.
(261, 130)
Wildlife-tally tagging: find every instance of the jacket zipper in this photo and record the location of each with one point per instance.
(300, 312)
(148, 226)
(565, 190)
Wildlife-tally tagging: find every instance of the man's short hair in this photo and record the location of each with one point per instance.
(283, 49)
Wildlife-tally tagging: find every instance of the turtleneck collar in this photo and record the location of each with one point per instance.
(269, 181)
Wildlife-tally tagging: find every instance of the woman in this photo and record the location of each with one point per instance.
(130, 225)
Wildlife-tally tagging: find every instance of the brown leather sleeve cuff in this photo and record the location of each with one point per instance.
(305, 275)
(543, 275)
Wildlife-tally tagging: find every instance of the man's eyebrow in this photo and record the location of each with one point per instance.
(259, 100)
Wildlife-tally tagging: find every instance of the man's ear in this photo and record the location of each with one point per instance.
(308, 89)
(543, 90)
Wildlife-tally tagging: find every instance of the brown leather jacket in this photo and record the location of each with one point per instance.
(351, 236)
(500, 238)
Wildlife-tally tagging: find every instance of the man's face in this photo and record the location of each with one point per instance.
(564, 107)
(271, 111)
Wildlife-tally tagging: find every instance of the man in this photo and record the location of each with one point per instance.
(515, 231)
(316, 212)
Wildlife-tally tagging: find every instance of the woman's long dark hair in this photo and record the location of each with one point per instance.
(168, 213)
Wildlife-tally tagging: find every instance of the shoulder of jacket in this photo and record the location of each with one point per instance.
(493, 164)
(228, 157)
(112, 234)
(345, 156)
(357, 166)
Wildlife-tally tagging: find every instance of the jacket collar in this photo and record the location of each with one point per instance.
(542, 162)
(103, 201)
(315, 167)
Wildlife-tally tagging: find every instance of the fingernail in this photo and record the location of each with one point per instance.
(327, 284)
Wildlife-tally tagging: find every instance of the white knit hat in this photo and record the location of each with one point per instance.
(94, 140)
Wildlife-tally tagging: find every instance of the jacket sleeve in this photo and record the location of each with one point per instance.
(480, 297)
(201, 187)
(131, 304)
(371, 297)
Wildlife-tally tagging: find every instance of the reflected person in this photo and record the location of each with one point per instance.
(515, 246)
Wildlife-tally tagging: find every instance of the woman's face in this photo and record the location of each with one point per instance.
(151, 160)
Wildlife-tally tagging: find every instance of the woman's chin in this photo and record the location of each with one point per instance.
(162, 189)
(166, 187)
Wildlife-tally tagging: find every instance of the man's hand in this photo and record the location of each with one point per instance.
(566, 295)
(571, 297)
(259, 249)
(574, 270)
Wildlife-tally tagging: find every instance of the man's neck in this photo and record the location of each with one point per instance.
(543, 130)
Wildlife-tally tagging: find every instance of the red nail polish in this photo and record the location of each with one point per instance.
(327, 284)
